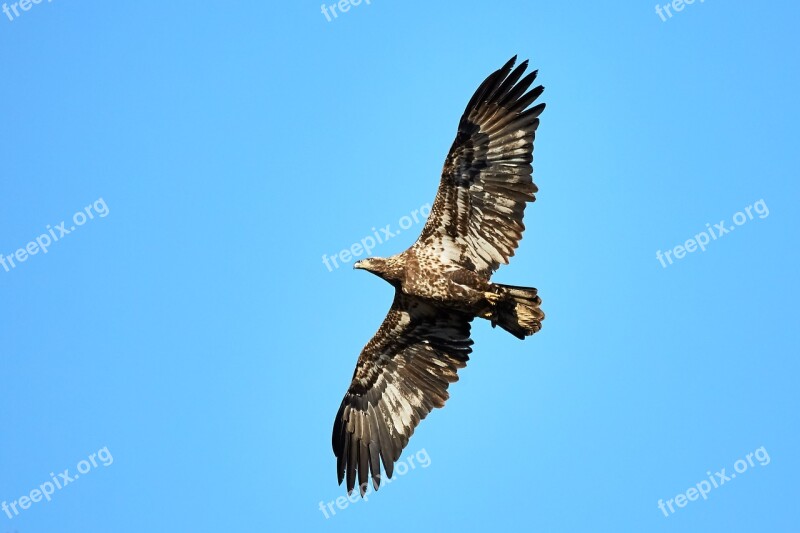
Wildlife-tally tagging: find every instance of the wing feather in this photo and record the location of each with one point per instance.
(486, 180)
(402, 374)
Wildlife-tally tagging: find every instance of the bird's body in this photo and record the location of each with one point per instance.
(428, 278)
(443, 281)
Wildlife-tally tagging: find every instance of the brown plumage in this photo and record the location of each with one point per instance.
(443, 281)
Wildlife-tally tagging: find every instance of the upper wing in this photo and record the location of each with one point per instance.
(476, 219)
(401, 375)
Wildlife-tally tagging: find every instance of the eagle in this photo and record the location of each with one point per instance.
(442, 282)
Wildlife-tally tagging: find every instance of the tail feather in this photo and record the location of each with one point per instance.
(518, 311)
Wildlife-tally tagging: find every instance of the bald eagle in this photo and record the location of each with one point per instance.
(442, 282)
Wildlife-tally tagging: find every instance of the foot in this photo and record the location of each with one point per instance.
(492, 298)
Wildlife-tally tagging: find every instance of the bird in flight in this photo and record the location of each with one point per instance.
(442, 282)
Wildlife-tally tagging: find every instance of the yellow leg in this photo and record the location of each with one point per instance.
(492, 298)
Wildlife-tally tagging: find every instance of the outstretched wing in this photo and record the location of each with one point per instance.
(401, 375)
(476, 219)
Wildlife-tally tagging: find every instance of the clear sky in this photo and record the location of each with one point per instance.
(184, 348)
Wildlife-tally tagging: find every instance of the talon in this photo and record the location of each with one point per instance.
(492, 298)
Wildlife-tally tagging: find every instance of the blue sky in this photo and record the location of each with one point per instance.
(189, 336)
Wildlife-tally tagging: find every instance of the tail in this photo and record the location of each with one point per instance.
(518, 310)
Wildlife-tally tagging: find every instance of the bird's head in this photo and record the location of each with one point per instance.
(371, 264)
(380, 266)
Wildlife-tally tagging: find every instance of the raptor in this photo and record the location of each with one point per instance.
(443, 281)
